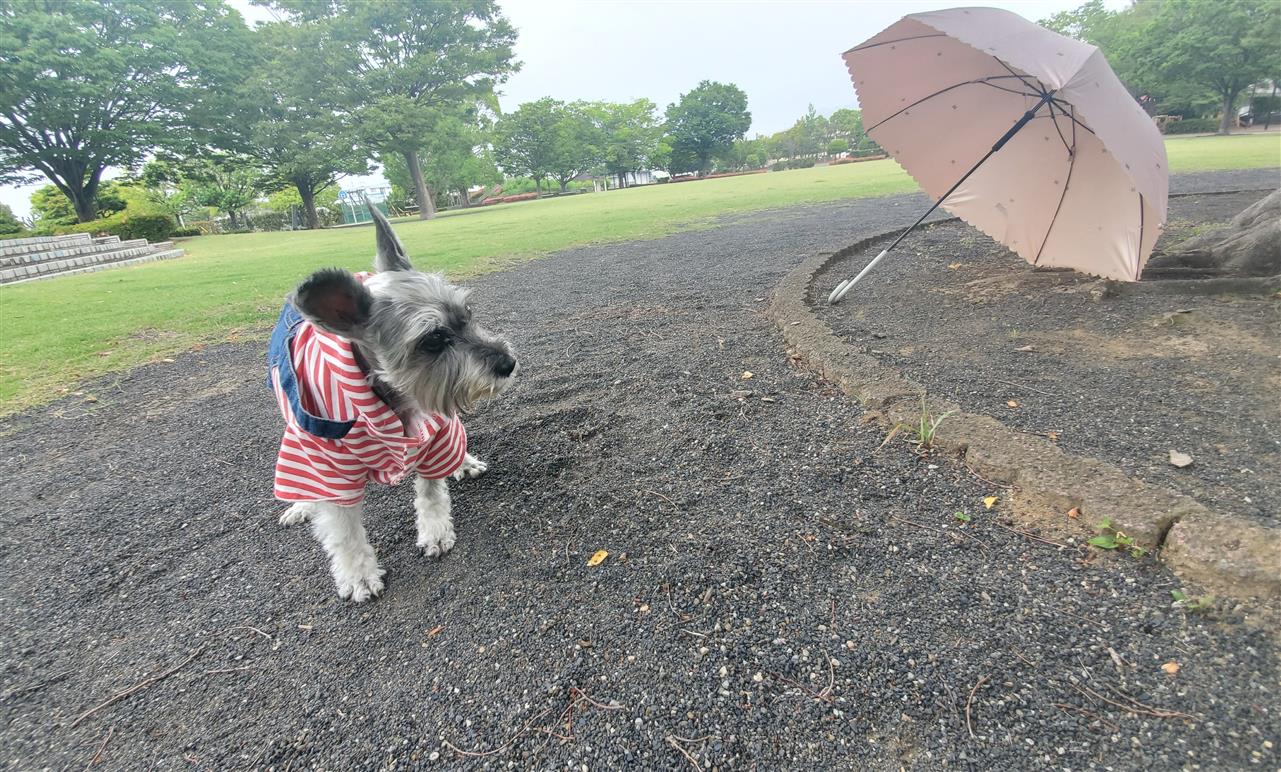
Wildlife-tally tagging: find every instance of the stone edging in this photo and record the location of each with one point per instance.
(1228, 554)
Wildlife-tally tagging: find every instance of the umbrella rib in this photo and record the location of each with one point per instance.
(1138, 253)
(1067, 182)
(986, 82)
(899, 40)
(1076, 121)
(1039, 87)
(980, 82)
(1054, 119)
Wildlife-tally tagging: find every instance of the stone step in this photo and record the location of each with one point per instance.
(159, 255)
(48, 267)
(77, 248)
(37, 243)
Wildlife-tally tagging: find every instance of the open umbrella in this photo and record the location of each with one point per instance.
(1023, 133)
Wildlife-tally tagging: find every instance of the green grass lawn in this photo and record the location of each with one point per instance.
(56, 333)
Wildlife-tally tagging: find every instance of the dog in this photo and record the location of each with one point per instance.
(371, 372)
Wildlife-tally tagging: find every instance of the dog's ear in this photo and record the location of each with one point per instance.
(335, 301)
(391, 255)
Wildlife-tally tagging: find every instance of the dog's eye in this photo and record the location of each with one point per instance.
(436, 341)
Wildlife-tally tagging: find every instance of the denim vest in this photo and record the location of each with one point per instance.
(280, 361)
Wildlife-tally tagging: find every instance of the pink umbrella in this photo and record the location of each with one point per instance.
(1023, 133)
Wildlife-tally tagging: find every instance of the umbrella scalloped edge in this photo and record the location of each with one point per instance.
(1193, 539)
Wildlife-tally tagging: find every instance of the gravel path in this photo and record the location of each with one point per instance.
(779, 594)
(1125, 379)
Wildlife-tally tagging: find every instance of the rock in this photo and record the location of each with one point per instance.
(1180, 460)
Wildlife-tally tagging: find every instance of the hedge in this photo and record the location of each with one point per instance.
(1192, 126)
(152, 226)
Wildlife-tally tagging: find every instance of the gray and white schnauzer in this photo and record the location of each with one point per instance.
(371, 372)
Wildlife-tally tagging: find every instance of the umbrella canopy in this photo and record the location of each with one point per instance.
(1053, 156)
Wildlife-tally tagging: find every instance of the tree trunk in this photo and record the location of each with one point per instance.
(308, 197)
(1272, 103)
(462, 193)
(426, 206)
(1250, 245)
(1229, 101)
(622, 180)
(564, 185)
(234, 225)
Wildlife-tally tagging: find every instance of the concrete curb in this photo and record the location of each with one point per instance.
(1228, 554)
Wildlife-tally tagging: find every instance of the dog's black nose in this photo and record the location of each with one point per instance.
(503, 364)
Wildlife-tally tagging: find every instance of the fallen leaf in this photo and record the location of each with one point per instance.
(1054, 436)
(1180, 459)
(990, 501)
(435, 631)
(953, 266)
(1170, 668)
(1074, 513)
(92, 398)
(1012, 404)
(747, 375)
(598, 558)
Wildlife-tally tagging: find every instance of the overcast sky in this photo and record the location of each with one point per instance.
(784, 54)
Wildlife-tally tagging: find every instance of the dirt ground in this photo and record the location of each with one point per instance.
(781, 592)
(1125, 378)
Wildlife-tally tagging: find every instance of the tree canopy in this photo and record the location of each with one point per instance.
(88, 84)
(704, 122)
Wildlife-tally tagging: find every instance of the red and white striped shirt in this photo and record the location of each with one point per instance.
(331, 385)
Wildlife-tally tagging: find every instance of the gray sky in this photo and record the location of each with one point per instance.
(784, 55)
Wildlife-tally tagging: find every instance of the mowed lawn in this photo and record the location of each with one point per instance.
(56, 333)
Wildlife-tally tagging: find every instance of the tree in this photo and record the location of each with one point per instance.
(706, 120)
(547, 139)
(9, 222)
(628, 136)
(88, 84)
(1222, 46)
(837, 146)
(227, 183)
(847, 124)
(294, 128)
(413, 64)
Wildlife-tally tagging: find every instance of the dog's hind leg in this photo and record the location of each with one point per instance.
(471, 467)
(352, 560)
(435, 523)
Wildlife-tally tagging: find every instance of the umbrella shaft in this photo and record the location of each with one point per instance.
(1000, 143)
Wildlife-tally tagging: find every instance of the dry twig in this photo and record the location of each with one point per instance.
(505, 745)
(1033, 537)
(1133, 706)
(672, 741)
(98, 756)
(969, 703)
(144, 683)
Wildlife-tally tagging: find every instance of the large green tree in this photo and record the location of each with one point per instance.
(628, 136)
(548, 139)
(412, 64)
(294, 126)
(706, 121)
(89, 84)
(1223, 46)
(9, 222)
(226, 183)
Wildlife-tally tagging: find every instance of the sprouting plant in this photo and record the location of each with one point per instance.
(1109, 538)
(1199, 603)
(927, 426)
(964, 518)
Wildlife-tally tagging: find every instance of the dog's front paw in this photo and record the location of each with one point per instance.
(359, 584)
(436, 537)
(300, 512)
(471, 467)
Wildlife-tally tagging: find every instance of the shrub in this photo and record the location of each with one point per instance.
(779, 166)
(184, 232)
(802, 163)
(1192, 126)
(152, 226)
